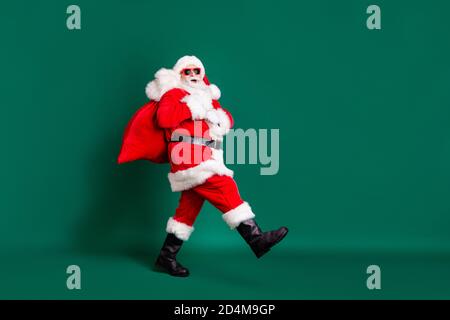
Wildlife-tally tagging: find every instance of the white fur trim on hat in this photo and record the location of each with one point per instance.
(183, 62)
(181, 230)
(189, 178)
(237, 215)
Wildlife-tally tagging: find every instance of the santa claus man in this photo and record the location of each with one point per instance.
(194, 124)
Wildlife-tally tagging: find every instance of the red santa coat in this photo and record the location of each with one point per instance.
(188, 111)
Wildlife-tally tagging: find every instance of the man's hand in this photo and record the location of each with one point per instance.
(213, 117)
(196, 106)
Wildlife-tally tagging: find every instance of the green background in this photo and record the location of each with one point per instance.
(364, 119)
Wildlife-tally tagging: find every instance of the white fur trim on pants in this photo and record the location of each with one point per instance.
(237, 215)
(181, 230)
(189, 178)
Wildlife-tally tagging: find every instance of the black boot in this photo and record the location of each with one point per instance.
(259, 241)
(167, 259)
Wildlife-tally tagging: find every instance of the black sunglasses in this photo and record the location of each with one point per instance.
(188, 71)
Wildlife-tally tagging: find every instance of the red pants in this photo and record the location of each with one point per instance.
(220, 191)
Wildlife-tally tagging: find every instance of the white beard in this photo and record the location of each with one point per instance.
(199, 89)
(200, 84)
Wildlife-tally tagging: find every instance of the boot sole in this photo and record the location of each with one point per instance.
(281, 237)
(163, 269)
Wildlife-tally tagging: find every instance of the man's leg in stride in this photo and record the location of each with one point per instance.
(223, 193)
(179, 228)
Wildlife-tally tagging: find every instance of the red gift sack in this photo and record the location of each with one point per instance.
(143, 139)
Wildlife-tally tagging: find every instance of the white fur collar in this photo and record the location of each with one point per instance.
(167, 79)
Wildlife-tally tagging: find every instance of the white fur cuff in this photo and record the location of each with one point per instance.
(195, 105)
(237, 215)
(215, 91)
(181, 230)
(222, 127)
(224, 120)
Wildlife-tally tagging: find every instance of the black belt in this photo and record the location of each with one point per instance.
(176, 137)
